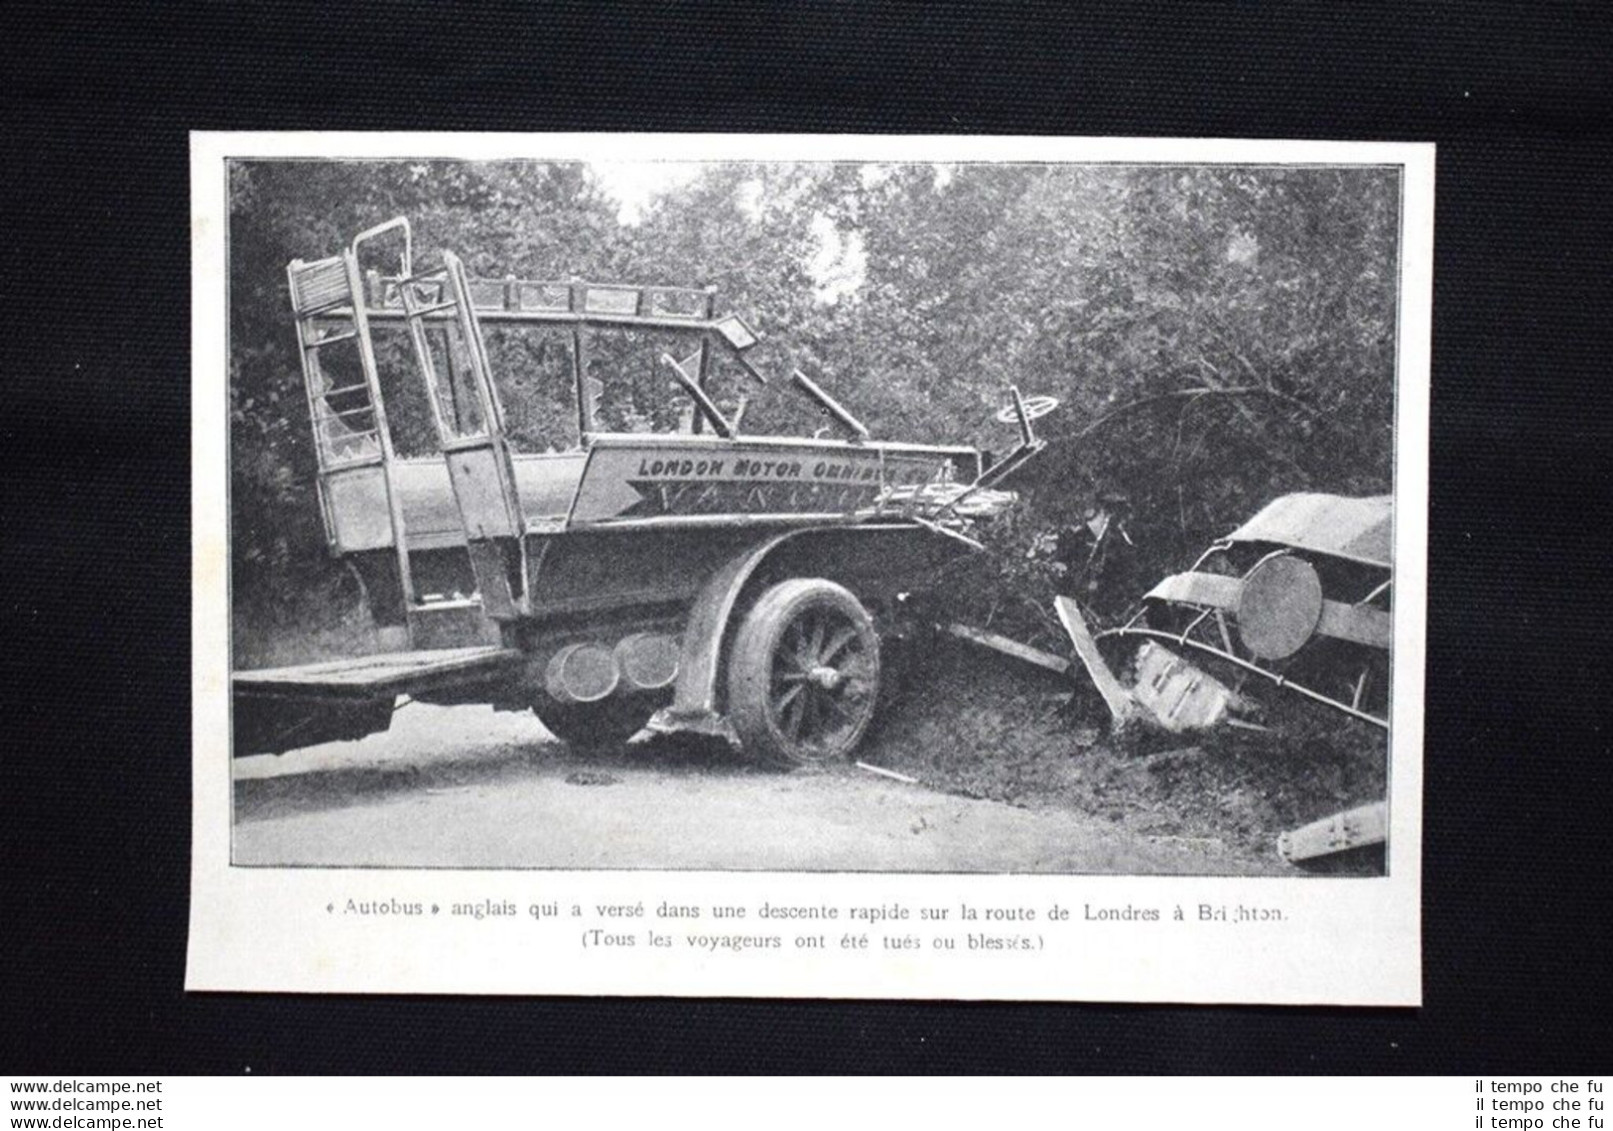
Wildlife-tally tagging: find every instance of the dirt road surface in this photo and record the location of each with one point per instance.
(467, 787)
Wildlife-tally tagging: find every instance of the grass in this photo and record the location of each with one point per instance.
(980, 725)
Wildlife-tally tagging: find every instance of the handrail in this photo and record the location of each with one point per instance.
(578, 306)
(379, 229)
(511, 294)
(494, 315)
(704, 403)
(829, 405)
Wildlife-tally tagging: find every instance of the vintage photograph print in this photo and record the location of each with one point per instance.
(956, 515)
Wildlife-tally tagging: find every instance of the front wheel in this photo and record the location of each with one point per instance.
(803, 676)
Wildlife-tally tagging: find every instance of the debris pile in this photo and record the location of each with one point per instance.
(1297, 596)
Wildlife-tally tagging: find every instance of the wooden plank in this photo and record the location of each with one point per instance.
(1056, 664)
(1353, 828)
(1360, 624)
(1207, 590)
(1178, 695)
(1168, 758)
(1114, 695)
(356, 667)
(883, 772)
(390, 673)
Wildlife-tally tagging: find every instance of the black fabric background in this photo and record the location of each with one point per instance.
(94, 421)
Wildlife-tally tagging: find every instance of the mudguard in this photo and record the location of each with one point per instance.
(694, 699)
(874, 561)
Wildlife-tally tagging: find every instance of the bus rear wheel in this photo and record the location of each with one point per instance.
(595, 726)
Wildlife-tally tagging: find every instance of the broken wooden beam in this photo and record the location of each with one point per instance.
(1002, 644)
(1114, 695)
(1058, 665)
(1159, 761)
(884, 773)
(1354, 828)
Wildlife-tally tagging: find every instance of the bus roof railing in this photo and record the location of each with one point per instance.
(573, 302)
(527, 300)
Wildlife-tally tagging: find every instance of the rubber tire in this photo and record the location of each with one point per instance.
(750, 666)
(594, 726)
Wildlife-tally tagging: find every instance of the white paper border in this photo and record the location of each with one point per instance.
(1344, 941)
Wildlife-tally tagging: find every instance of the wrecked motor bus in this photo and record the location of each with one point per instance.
(693, 579)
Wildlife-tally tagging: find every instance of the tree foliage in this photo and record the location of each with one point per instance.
(1218, 335)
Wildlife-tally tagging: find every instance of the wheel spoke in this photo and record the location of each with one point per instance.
(811, 708)
(836, 644)
(800, 648)
(788, 696)
(815, 648)
(811, 716)
(788, 656)
(791, 717)
(839, 707)
(789, 640)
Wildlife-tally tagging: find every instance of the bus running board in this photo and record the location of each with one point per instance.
(391, 673)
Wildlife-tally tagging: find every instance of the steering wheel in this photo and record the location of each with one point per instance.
(1034, 407)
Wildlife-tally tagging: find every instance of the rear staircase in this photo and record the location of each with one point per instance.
(362, 503)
